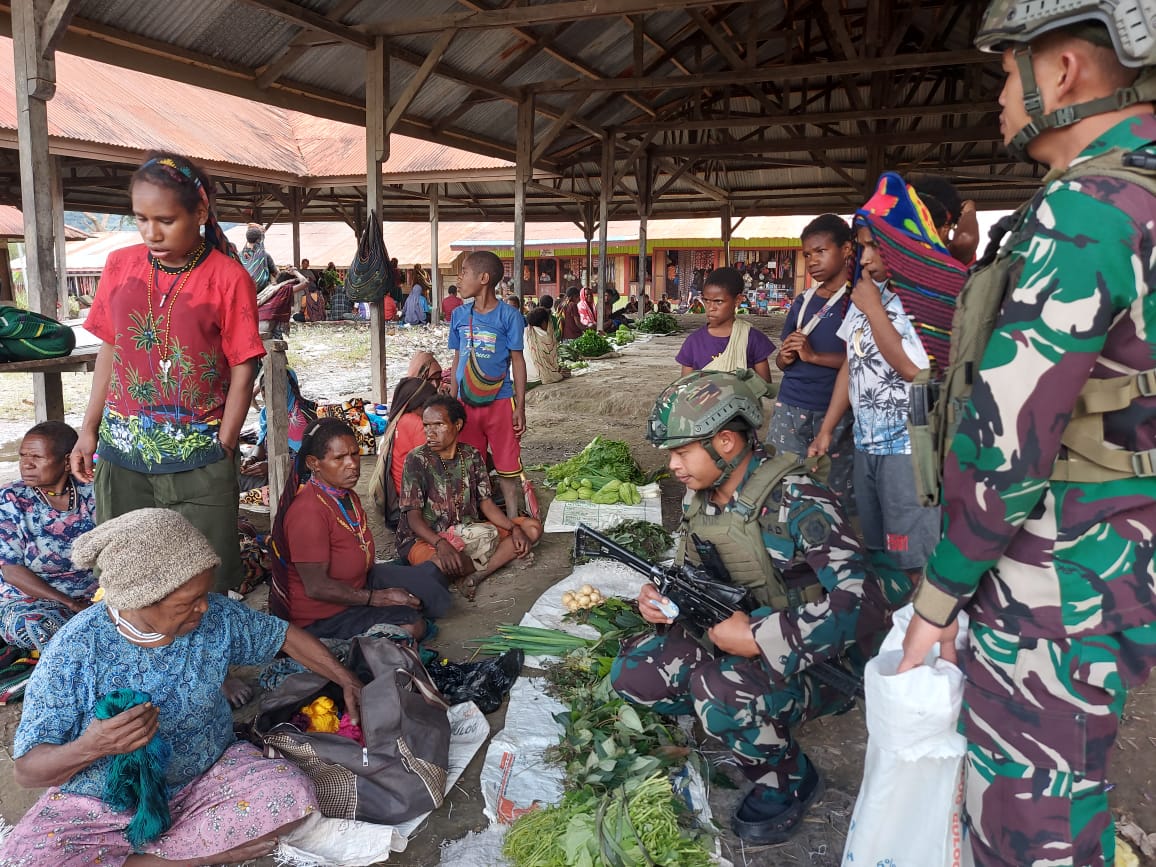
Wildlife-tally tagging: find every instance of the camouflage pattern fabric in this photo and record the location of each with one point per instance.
(751, 705)
(1063, 571)
(1040, 718)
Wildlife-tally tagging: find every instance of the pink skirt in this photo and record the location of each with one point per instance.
(240, 798)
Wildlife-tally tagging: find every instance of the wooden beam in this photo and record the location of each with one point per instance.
(435, 289)
(607, 173)
(55, 23)
(559, 124)
(525, 143)
(815, 118)
(419, 79)
(303, 17)
(988, 132)
(376, 153)
(545, 13)
(789, 72)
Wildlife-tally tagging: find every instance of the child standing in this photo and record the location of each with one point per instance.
(177, 318)
(725, 343)
(489, 371)
(812, 351)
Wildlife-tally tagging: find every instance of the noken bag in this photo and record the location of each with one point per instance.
(401, 772)
(369, 277)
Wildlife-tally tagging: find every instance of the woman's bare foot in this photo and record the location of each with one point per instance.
(237, 691)
(469, 585)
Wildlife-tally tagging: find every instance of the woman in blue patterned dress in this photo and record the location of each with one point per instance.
(160, 644)
(40, 516)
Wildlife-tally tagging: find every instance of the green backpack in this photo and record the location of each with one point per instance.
(936, 407)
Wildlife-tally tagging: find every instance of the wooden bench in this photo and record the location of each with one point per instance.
(80, 359)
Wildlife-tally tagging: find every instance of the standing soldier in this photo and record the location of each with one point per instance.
(785, 537)
(1049, 487)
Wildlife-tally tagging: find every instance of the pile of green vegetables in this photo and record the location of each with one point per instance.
(591, 344)
(657, 323)
(648, 540)
(614, 491)
(619, 809)
(622, 336)
(600, 462)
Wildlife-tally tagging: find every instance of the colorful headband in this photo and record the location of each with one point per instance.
(181, 174)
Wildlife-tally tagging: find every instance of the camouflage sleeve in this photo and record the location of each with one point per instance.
(1081, 265)
(794, 638)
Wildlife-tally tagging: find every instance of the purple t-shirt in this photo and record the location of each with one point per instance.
(807, 385)
(701, 347)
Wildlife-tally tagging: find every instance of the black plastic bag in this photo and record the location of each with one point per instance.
(485, 683)
(370, 276)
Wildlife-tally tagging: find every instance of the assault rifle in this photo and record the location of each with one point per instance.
(703, 600)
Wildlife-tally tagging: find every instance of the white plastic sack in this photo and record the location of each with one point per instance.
(909, 809)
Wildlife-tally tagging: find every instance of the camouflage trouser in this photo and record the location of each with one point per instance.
(1040, 719)
(734, 699)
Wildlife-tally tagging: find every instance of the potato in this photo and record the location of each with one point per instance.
(567, 597)
(587, 589)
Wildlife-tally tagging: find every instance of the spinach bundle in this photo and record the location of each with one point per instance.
(602, 459)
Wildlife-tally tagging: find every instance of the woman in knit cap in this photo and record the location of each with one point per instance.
(160, 645)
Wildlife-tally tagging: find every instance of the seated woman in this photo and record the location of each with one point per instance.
(541, 350)
(423, 365)
(40, 517)
(572, 325)
(161, 633)
(447, 514)
(409, 398)
(325, 578)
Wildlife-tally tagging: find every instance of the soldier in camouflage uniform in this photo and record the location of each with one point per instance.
(756, 682)
(1055, 570)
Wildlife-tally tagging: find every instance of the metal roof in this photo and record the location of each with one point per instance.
(771, 108)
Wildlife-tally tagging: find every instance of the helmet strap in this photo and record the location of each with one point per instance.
(1142, 90)
(727, 467)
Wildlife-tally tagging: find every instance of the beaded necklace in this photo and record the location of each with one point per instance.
(69, 488)
(459, 473)
(355, 523)
(182, 277)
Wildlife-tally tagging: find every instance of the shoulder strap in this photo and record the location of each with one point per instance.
(763, 481)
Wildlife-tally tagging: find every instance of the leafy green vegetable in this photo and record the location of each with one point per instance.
(657, 323)
(602, 459)
(644, 538)
(591, 344)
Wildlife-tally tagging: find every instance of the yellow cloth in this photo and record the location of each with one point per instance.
(734, 357)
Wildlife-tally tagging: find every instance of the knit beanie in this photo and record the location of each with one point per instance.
(143, 556)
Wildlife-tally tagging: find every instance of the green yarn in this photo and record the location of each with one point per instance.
(136, 780)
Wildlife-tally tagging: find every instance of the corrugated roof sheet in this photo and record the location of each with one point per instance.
(109, 105)
(12, 225)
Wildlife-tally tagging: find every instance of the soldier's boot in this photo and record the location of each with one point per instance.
(763, 819)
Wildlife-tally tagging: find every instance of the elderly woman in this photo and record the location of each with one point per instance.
(448, 516)
(40, 517)
(162, 634)
(325, 575)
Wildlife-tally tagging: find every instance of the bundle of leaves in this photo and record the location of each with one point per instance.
(602, 460)
(657, 323)
(591, 344)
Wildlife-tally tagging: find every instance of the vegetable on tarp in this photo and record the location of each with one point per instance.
(601, 461)
(592, 344)
(657, 323)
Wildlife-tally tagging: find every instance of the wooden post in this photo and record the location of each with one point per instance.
(376, 153)
(642, 173)
(5, 272)
(58, 236)
(35, 84)
(606, 191)
(522, 172)
(588, 233)
(276, 421)
(726, 234)
(435, 290)
(295, 212)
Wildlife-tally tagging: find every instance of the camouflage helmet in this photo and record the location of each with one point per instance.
(695, 407)
(1130, 24)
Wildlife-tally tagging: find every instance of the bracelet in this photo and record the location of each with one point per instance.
(369, 597)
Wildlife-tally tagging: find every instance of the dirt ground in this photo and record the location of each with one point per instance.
(611, 399)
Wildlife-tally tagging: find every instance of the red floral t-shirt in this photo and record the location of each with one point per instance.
(172, 360)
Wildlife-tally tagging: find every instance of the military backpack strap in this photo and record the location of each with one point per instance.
(763, 481)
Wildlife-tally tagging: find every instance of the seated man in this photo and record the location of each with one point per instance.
(40, 517)
(447, 514)
(786, 538)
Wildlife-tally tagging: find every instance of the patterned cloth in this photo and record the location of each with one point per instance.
(751, 705)
(36, 536)
(923, 273)
(339, 306)
(89, 658)
(878, 391)
(172, 361)
(1059, 575)
(446, 495)
(241, 797)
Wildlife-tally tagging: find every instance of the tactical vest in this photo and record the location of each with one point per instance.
(937, 407)
(737, 534)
